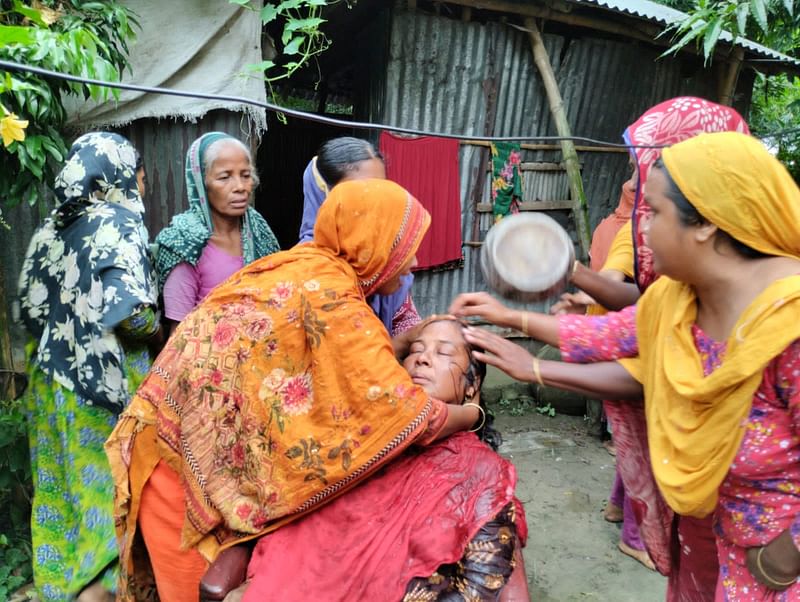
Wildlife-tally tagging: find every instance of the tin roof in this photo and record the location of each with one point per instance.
(664, 15)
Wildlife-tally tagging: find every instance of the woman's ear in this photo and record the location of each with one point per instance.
(705, 232)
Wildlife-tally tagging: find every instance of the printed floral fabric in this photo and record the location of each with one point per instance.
(760, 496)
(87, 269)
(482, 571)
(281, 389)
(665, 124)
(506, 179)
(72, 523)
(445, 512)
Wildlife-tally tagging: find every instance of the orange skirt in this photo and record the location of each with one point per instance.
(161, 514)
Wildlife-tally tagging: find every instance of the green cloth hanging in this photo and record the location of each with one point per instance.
(506, 179)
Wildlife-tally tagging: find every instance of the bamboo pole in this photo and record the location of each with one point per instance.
(6, 354)
(542, 61)
(727, 87)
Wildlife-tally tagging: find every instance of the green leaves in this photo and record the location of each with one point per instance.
(300, 35)
(79, 38)
(709, 18)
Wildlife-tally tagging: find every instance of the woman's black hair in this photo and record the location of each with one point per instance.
(338, 157)
(476, 373)
(139, 162)
(690, 216)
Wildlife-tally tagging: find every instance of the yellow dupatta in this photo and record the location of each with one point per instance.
(695, 423)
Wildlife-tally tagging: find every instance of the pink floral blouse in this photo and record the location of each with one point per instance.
(760, 496)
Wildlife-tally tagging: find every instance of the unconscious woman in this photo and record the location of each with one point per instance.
(88, 297)
(340, 160)
(219, 233)
(278, 393)
(440, 522)
(718, 345)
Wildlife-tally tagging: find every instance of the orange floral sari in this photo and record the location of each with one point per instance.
(280, 390)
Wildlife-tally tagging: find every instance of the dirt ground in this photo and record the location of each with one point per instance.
(565, 477)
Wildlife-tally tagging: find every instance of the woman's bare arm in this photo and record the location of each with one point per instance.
(604, 380)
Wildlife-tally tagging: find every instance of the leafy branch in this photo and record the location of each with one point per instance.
(89, 39)
(301, 38)
(707, 19)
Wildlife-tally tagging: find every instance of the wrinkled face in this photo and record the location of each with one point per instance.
(229, 182)
(369, 169)
(140, 181)
(438, 361)
(393, 284)
(671, 241)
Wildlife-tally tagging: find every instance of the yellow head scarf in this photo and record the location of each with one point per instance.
(695, 423)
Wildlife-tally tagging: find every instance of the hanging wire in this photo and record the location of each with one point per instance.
(361, 125)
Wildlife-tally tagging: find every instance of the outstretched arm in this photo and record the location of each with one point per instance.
(542, 327)
(605, 380)
(612, 295)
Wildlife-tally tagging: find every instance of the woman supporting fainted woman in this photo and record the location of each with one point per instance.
(278, 393)
(718, 345)
(440, 522)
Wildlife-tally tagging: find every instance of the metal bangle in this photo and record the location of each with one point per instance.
(767, 577)
(483, 415)
(537, 372)
(525, 323)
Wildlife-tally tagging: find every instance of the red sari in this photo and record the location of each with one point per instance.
(418, 513)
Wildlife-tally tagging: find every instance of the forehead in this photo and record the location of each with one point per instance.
(444, 330)
(228, 154)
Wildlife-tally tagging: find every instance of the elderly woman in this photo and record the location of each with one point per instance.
(340, 160)
(88, 297)
(219, 233)
(718, 345)
(278, 393)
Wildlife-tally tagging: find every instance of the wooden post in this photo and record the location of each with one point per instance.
(7, 385)
(571, 163)
(730, 77)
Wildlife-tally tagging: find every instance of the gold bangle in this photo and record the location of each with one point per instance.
(483, 415)
(767, 577)
(525, 323)
(575, 265)
(537, 372)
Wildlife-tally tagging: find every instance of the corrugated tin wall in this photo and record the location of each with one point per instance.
(437, 75)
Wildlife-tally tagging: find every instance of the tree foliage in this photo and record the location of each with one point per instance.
(775, 110)
(75, 37)
(300, 38)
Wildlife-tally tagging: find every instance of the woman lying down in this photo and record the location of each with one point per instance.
(439, 523)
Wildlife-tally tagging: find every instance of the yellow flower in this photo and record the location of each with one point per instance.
(12, 128)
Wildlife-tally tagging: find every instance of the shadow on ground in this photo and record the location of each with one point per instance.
(565, 477)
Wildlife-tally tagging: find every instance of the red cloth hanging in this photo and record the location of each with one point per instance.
(428, 168)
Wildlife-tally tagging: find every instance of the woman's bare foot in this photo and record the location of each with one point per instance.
(640, 555)
(95, 592)
(612, 513)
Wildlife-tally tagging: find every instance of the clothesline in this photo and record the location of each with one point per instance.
(526, 146)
